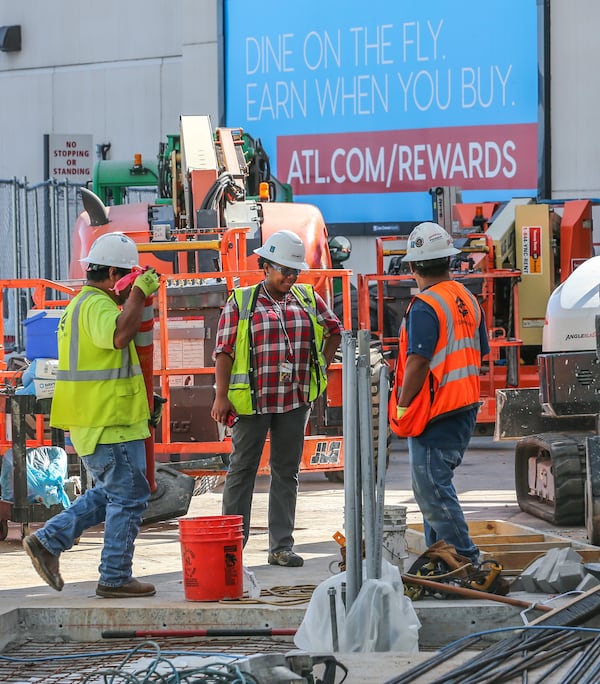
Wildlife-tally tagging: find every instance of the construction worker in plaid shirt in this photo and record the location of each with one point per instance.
(274, 343)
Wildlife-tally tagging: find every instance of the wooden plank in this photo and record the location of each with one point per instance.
(532, 548)
(513, 561)
(488, 527)
(589, 555)
(479, 527)
(513, 546)
(510, 539)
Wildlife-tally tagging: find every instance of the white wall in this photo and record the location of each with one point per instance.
(575, 98)
(124, 71)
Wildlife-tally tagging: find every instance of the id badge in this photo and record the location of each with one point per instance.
(285, 372)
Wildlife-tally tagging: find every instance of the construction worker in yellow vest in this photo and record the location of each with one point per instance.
(273, 345)
(100, 399)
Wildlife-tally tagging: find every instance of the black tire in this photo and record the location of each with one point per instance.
(335, 476)
(564, 456)
(592, 490)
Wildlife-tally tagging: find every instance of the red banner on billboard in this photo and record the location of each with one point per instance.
(470, 157)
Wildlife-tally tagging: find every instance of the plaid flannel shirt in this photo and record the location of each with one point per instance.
(271, 347)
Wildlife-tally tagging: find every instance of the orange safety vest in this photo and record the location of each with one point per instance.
(452, 381)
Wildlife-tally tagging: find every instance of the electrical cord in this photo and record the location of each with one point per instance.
(225, 184)
(211, 674)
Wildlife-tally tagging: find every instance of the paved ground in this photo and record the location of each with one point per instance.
(28, 607)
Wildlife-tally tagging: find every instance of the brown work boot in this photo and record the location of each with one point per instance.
(134, 588)
(285, 557)
(45, 563)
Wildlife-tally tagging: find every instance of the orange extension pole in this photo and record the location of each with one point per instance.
(144, 344)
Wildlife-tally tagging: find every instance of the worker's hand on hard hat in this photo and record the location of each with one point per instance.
(148, 282)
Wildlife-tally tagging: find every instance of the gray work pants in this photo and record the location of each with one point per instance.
(287, 441)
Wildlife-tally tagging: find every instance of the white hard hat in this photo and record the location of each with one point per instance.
(429, 241)
(113, 249)
(284, 248)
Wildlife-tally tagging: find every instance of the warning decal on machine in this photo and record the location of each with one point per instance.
(531, 245)
(328, 452)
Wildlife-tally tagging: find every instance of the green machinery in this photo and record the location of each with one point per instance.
(112, 179)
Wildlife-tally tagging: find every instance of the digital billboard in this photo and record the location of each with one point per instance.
(363, 107)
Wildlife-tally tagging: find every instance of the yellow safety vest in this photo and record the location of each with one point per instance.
(242, 381)
(95, 387)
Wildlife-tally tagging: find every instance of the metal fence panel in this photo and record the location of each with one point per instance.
(36, 225)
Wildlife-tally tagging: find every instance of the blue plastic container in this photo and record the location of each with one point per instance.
(41, 334)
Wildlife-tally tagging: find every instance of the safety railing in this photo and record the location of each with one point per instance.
(208, 292)
(321, 452)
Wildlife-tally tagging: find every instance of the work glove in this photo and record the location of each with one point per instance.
(148, 282)
(157, 408)
(400, 411)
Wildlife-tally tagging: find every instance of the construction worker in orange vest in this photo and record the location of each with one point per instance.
(435, 397)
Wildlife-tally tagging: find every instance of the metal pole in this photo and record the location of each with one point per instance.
(365, 430)
(15, 231)
(65, 260)
(26, 243)
(48, 209)
(50, 244)
(382, 643)
(37, 252)
(381, 466)
(333, 616)
(16, 267)
(353, 534)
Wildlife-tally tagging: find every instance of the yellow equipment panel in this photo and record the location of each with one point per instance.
(502, 233)
(535, 259)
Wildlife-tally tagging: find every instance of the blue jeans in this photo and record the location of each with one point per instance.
(118, 498)
(432, 470)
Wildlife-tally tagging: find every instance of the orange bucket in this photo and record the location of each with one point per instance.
(211, 551)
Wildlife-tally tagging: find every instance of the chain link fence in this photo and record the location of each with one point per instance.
(36, 224)
(35, 227)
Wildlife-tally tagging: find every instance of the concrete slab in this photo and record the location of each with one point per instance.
(29, 609)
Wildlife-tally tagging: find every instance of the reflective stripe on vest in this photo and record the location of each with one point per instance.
(453, 344)
(243, 298)
(318, 367)
(126, 370)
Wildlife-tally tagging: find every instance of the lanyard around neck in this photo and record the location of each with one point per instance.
(280, 313)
